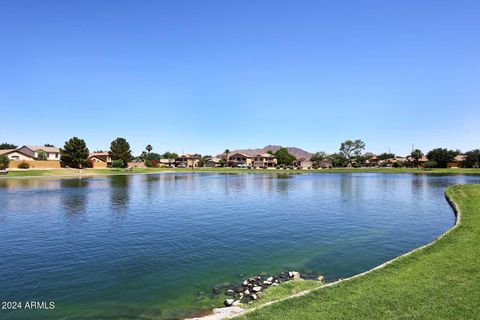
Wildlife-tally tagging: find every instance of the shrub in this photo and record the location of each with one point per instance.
(4, 162)
(431, 164)
(118, 163)
(148, 163)
(23, 165)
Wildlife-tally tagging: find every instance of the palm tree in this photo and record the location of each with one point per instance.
(227, 152)
(416, 155)
(149, 148)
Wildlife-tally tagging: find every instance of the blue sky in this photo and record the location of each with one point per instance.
(202, 76)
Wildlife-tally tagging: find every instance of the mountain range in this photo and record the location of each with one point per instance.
(297, 152)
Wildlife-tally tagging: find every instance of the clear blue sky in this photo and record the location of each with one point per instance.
(202, 76)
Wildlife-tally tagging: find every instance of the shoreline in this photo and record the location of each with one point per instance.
(70, 173)
(234, 312)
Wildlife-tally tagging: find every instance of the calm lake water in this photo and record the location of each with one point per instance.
(147, 246)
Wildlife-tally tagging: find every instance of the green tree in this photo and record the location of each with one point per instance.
(442, 156)
(338, 160)
(416, 155)
(170, 155)
(149, 148)
(226, 152)
(48, 145)
(5, 145)
(4, 162)
(352, 149)
(201, 162)
(120, 149)
(74, 153)
(153, 156)
(284, 157)
(118, 163)
(385, 156)
(41, 155)
(318, 157)
(473, 158)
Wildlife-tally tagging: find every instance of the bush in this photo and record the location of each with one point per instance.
(148, 163)
(4, 162)
(118, 163)
(23, 165)
(431, 164)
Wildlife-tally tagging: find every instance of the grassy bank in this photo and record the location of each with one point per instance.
(441, 281)
(113, 171)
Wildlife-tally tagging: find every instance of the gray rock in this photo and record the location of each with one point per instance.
(245, 283)
(270, 279)
(294, 275)
(228, 302)
(266, 283)
(236, 303)
(254, 296)
(229, 292)
(257, 289)
(246, 292)
(321, 279)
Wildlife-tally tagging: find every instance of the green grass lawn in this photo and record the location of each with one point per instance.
(441, 281)
(114, 171)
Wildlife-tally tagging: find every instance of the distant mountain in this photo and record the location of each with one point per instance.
(297, 152)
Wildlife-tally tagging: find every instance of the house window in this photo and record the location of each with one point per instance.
(15, 157)
(56, 155)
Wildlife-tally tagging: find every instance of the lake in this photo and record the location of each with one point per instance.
(154, 246)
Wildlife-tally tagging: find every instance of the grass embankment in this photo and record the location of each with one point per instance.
(441, 281)
(114, 171)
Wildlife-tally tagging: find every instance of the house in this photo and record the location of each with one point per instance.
(265, 160)
(422, 162)
(187, 161)
(15, 154)
(52, 153)
(372, 161)
(458, 161)
(239, 159)
(212, 162)
(306, 164)
(100, 157)
(166, 162)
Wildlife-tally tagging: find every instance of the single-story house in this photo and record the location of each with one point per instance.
(15, 154)
(240, 159)
(52, 153)
(458, 162)
(212, 162)
(187, 161)
(264, 160)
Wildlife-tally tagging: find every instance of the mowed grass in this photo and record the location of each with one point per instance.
(115, 171)
(441, 281)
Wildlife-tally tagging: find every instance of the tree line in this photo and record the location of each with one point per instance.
(351, 153)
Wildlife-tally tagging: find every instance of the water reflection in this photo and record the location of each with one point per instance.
(120, 193)
(75, 199)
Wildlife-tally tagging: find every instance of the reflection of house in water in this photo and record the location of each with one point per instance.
(74, 196)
